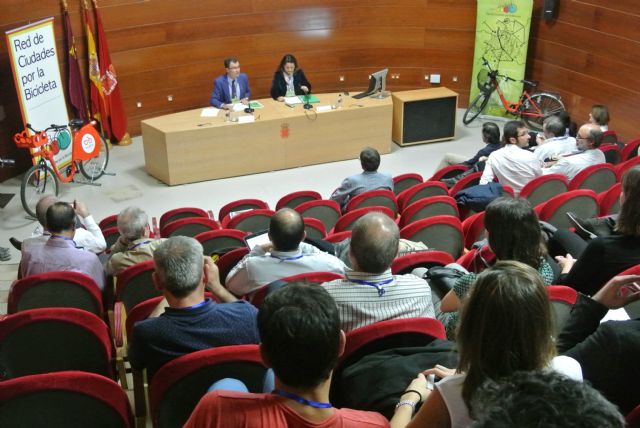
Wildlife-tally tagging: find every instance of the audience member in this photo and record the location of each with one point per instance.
(190, 322)
(607, 352)
(289, 80)
(513, 233)
(587, 266)
(301, 340)
(134, 244)
(89, 237)
(283, 256)
(587, 143)
(512, 165)
(600, 116)
(542, 398)
(554, 141)
(506, 326)
(58, 252)
(370, 292)
(232, 87)
(369, 179)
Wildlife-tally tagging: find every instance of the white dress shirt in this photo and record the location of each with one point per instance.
(513, 166)
(556, 146)
(573, 164)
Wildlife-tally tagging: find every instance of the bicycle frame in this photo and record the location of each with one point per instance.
(46, 153)
(513, 108)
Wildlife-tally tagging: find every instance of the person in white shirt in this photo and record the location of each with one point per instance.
(588, 140)
(555, 142)
(512, 165)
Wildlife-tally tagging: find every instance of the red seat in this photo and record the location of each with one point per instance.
(64, 399)
(314, 228)
(109, 221)
(189, 226)
(473, 229)
(52, 340)
(421, 191)
(241, 205)
(443, 233)
(562, 300)
(544, 187)
(294, 199)
(609, 200)
(373, 198)
(255, 220)
(612, 153)
(595, 177)
(179, 385)
(632, 419)
(404, 181)
(429, 207)
(405, 264)
(347, 221)
(467, 181)
(111, 235)
(621, 168)
(609, 137)
(448, 172)
(179, 213)
(56, 290)
(582, 202)
(630, 150)
(308, 278)
(227, 261)
(327, 211)
(338, 236)
(221, 241)
(135, 284)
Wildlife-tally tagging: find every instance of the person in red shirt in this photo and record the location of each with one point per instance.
(301, 341)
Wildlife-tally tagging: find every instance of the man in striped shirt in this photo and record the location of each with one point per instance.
(370, 292)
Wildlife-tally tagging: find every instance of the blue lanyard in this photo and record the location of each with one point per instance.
(377, 285)
(301, 400)
(286, 259)
(137, 245)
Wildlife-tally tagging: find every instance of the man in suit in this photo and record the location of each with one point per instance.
(231, 87)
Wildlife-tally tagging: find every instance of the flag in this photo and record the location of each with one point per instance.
(74, 82)
(96, 101)
(116, 122)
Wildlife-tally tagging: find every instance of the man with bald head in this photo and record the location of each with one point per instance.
(370, 292)
(588, 140)
(283, 256)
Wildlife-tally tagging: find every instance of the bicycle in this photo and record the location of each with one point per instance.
(89, 154)
(532, 109)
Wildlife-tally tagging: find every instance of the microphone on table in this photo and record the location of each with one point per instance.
(307, 105)
(248, 109)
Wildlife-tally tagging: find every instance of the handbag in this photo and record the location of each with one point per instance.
(441, 279)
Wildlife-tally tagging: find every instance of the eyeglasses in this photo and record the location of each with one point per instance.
(581, 138)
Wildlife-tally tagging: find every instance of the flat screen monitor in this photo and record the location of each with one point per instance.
(377, 85)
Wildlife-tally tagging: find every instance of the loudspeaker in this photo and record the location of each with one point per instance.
(549, 8)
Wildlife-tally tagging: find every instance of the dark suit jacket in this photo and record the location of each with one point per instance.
(608, 353)
(221, 94)
(279, 85)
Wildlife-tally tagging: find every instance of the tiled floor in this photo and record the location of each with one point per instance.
(132, 186)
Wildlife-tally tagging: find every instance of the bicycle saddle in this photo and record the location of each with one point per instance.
(76, 123)
(532, 83)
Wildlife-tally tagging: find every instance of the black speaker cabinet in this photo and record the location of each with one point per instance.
(424, 116)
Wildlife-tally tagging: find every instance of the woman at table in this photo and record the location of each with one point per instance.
(289, 80)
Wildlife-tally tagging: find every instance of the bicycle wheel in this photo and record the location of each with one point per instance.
(93, 168)
(39, 181)
(476, 107)
(547, 104)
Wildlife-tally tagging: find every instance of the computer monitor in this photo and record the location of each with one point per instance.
(377, 85)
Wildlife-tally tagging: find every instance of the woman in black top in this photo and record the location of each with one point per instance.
(289, 80)
(605, 257)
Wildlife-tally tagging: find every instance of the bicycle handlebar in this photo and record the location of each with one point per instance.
(52, 126)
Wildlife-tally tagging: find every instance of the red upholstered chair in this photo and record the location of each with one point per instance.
(308, 278)
(221, 241)
(468, 181)
(448, 172)
(473, 229)
(609, 200)
(135, 284)
(443, 233)
(327, 211)
(373, 198)
(179, 213)
(52, 340)
(405, 264)
(179, 385)
(421, 191)
(249, 221)
(612, 153)
(347, 221)
(562, 300)
(294, 199)
(109, 221)
(241, 205)
(609, 137)
(621, 168)
(630, 150)
(190, 226)
(595, 177)
(632, 309)
(632, 419)
(64, 399)
(314, 228)
(429, 207)
(338, 236)
(227, 261)
(582, 202)
(55, 290)
(544, 187)
(404, 181)
(111, 235)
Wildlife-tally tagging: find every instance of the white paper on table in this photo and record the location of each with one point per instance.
(321, 109)
(292, 100)
(209, 112)
(239, 107)
(246, 119)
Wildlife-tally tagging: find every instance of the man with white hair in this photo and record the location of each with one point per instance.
(588, 140)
